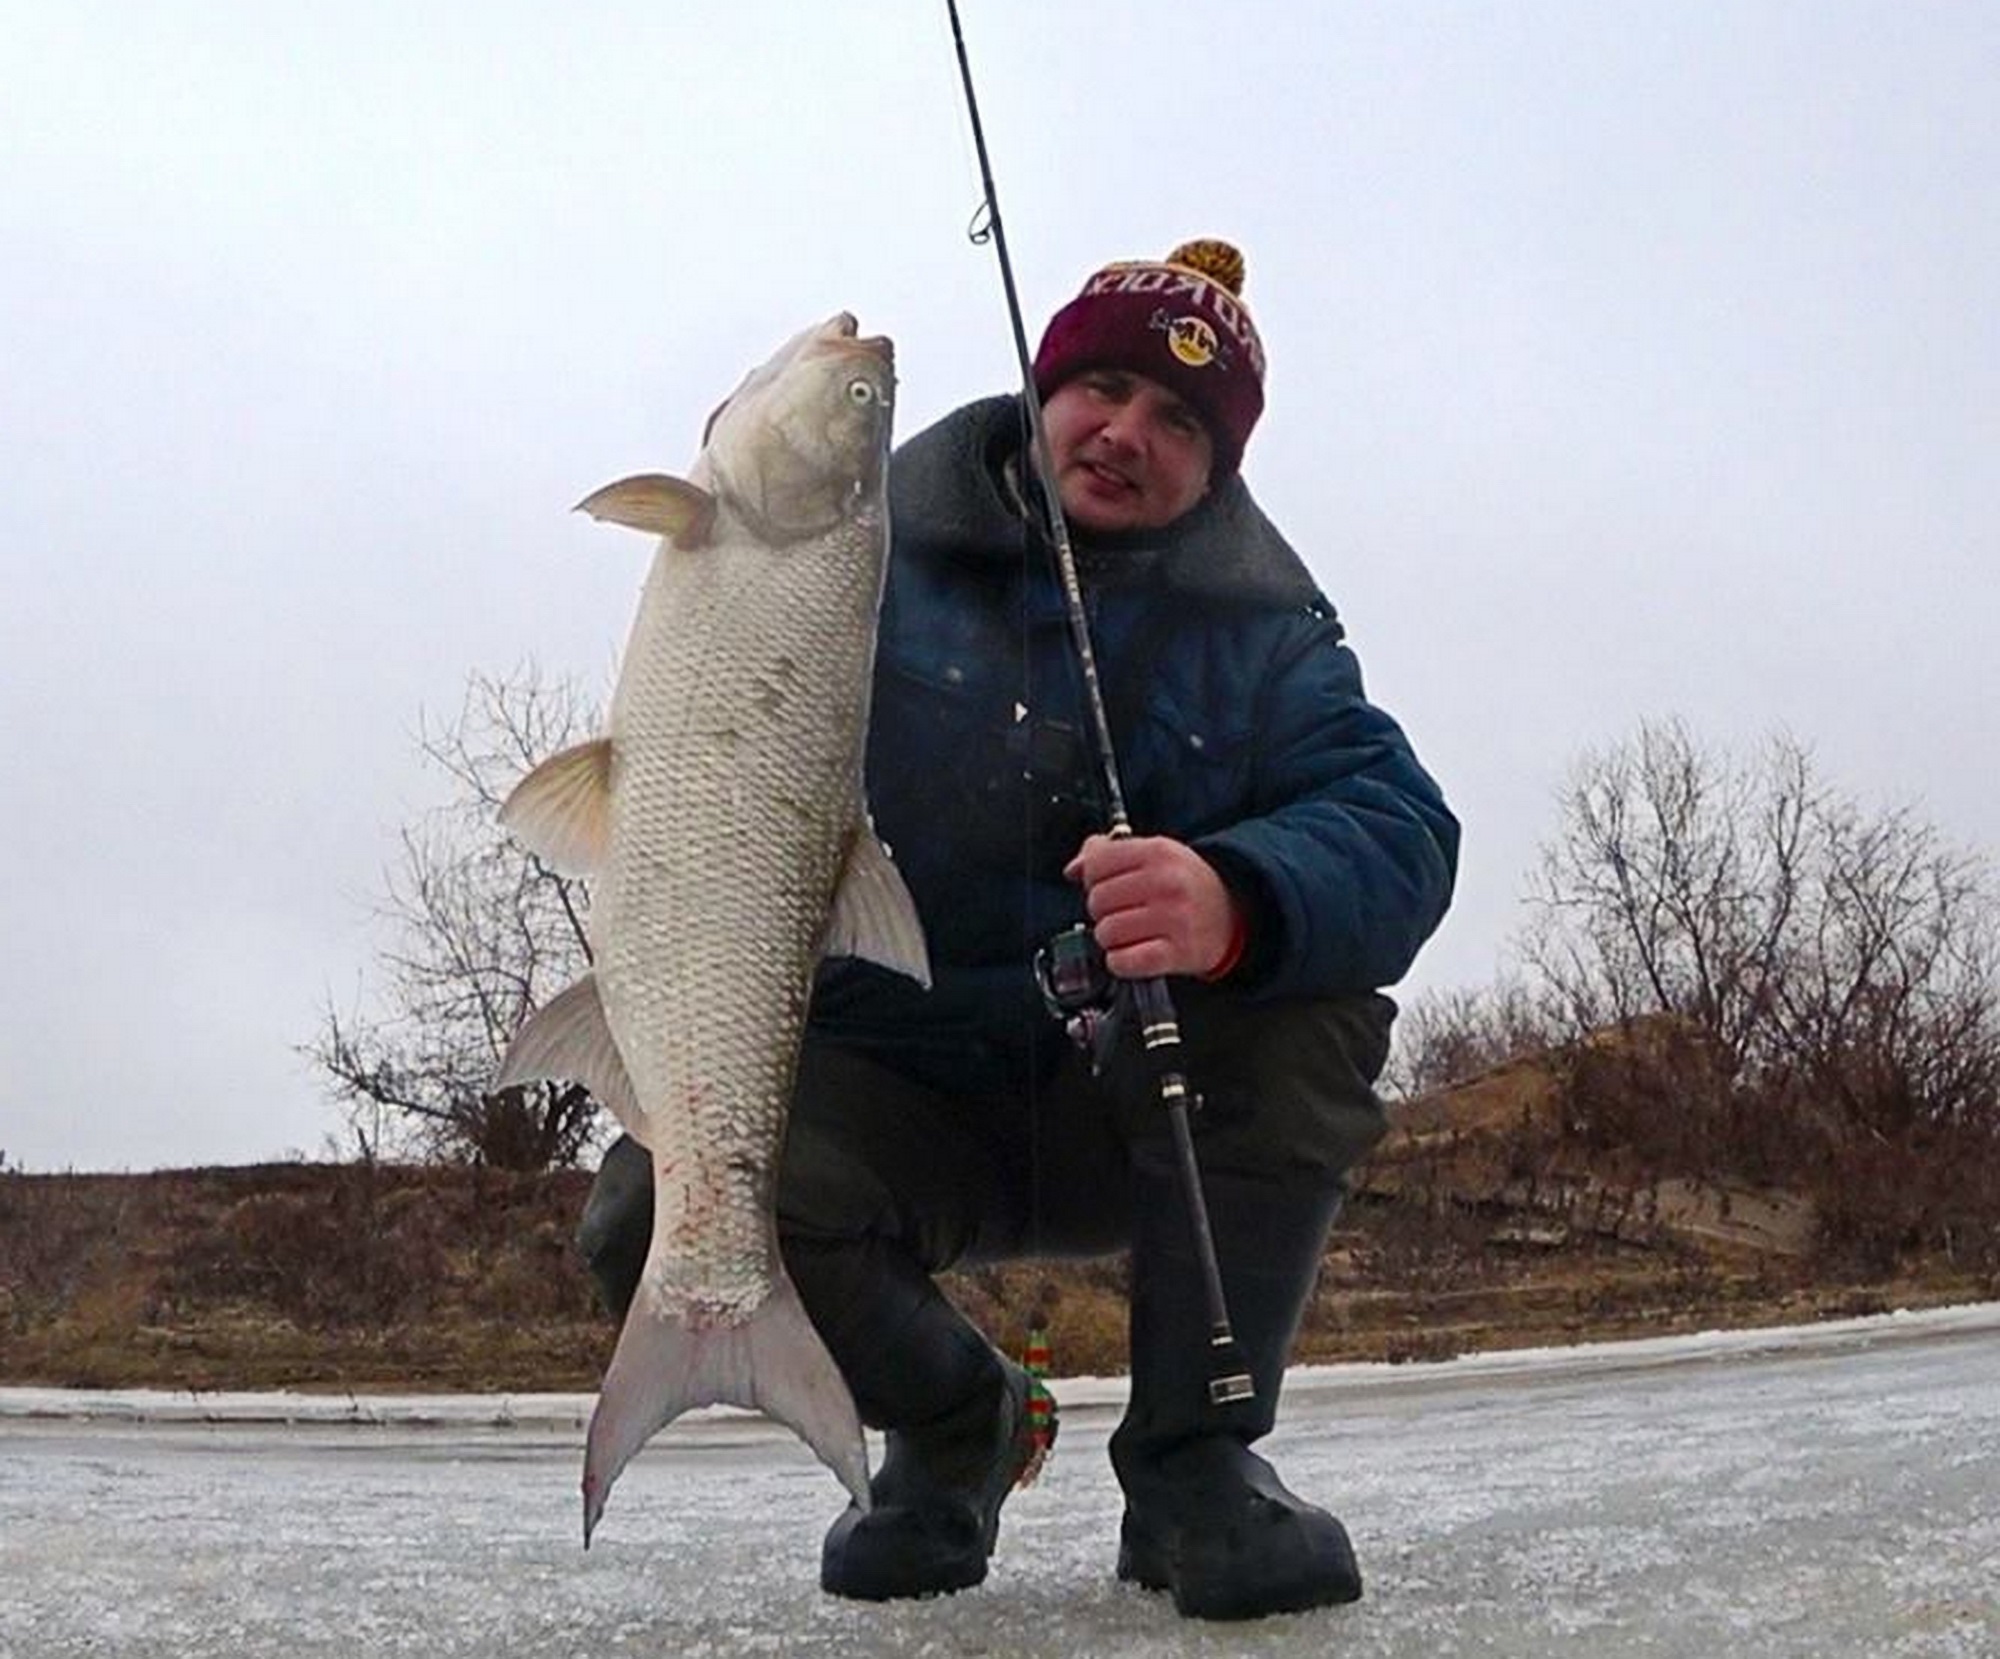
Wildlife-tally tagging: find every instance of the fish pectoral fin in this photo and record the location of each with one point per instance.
(655, 502)
(562, 809)
(874, 916)
(773, 1362)
(567, 1037)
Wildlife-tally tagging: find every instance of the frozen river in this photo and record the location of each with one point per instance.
(1829, 1491)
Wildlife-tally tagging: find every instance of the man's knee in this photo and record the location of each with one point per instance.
(1288, 1087)
(828, 1190)
(872, 1154)
(616, 1229)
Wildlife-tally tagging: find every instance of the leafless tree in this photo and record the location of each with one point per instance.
(1848, 957)
(1734, 970)
(477, 933)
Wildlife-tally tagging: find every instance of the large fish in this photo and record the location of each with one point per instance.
(723, 819)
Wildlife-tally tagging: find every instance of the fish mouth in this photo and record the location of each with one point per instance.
(843, 333)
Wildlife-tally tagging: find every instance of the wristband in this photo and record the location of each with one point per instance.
(1232, 953)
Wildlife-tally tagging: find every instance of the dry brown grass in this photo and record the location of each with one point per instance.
(359, 1277)
(295, 1275)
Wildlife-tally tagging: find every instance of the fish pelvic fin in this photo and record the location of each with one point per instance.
(657, 503)
(567, 1037)
(562, 809)
(874, 916)
(773, 1362)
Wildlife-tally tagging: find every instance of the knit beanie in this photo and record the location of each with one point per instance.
(1180, 321)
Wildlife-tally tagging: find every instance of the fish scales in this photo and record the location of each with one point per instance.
(750, 810)
(724, 820)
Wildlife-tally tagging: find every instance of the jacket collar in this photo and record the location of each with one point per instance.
(949, 488)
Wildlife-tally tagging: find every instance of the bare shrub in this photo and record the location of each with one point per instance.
(57, 1233)
(370, 1245)
(1933, 1195)
(478, 932)
(1833, 976)
(1444, 1037)
(1659, 1092)
(358, 1249)
(1427, 1238)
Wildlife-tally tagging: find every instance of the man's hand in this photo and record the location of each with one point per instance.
(1157, 906)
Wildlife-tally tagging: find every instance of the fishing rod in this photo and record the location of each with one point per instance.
(1159, 1027)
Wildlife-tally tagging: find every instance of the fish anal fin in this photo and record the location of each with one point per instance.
(567, 1037)
(657, 503)
(874, 916)
(562, 809)
(773, 1362)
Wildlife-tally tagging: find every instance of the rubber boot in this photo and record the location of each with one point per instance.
(955, 1412)
(1205, 1517)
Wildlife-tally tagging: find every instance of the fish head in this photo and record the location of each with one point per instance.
(805, 437)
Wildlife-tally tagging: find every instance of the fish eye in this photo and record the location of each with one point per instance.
(861, 392)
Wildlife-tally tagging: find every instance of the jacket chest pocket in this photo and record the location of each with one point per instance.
(1005, 787)
(1189, 775)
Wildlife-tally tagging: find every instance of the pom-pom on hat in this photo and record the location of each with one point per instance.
(1181, 321)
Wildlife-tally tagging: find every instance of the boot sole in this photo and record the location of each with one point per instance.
(884, 1567)
(892, 1553)
(1233, 1587)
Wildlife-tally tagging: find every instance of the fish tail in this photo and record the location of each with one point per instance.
(773, 1362)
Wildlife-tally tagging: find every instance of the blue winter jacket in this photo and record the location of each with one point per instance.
(1240, 726)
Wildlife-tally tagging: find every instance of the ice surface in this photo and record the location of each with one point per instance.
(1828, 1490)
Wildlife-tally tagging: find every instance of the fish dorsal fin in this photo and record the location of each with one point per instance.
(657, 503)
(874, 916)
(562, 809)
(567, 1038)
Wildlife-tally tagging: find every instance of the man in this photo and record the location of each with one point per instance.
(1293, 857)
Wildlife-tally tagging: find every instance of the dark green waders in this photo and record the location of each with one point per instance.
(886, 1182)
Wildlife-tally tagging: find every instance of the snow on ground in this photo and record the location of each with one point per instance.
(1824, 1490)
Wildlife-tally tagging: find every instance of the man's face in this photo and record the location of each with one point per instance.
(1129, 454)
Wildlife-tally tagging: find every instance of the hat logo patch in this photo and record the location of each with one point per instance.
(1190, 339)
(1226, 318)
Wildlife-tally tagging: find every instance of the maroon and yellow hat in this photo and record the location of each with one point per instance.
(1181, 321)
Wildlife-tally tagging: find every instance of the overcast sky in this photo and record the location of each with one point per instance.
(1627, 360)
